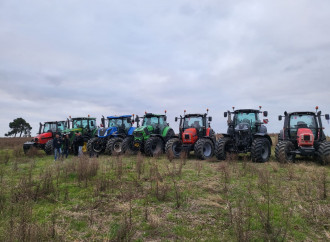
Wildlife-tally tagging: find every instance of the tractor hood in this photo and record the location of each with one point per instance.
(143, 128)
(242, 127)
(104, 132)
(72, 130)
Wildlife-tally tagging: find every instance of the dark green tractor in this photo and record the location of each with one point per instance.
(150, 137)
(85, 125)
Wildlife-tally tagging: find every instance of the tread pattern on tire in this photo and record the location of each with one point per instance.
(256, 150)
(169, 148)
(199, 148)
(110, 145)
(281, 149)
(220, 148)
(148, 146)
(127, 146)
(90, 144)
(323, 153)
(49, 149)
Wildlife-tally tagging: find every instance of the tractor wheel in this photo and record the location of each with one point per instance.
(282, 151)
(173, 148)
(154, 146)
(204, 149)
(260, 150)
(323, 153)
(49, 147)
(169, 135)
(127, 146)
(94, 146)
(221, 148)
(114, 146)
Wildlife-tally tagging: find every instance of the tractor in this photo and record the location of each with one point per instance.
(150, 137)
(245, 133)
(109, 139)
(195, 134)
(85, 125)
(47, 132)
(303, 135)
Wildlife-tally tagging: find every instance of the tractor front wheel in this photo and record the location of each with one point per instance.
(283, 151)
(204, 149)
(221, 148)
(173, 148)
(128, 147)
(323, 153)
(49, 147)
(154, 146)
(114, 146)
(94, 146)
(260, 150)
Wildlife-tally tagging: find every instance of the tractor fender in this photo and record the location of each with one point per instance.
(131, 130)
(166, 129)
(208, 137)
(264, 135)
(158, 135)
(281, 135)
(119, 135)
(226, 135)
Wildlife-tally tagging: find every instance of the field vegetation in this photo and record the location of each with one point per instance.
(134, 198)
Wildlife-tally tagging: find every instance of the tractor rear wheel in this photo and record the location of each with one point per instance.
(127, 146)
(94, 146)
(283, 151)
(169, 135)
(49, 147)
(204, 149)
(221, 148)
(173, 148)
(260, 150)
(323, 153)
(154, 146)
(114, 146)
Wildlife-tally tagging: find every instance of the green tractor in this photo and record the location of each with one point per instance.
(85, 125)
(150, 137)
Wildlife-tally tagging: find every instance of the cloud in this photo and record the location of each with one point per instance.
(112, 57)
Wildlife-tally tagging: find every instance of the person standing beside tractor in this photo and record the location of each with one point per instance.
(57, 143)
(65, 146)
(79, 143)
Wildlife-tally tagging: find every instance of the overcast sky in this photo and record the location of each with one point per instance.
(102, 57)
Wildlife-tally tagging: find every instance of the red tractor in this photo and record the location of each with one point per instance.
(195, 134)
(45, 136)
(302, 134)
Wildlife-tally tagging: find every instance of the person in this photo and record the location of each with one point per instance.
(79, 142)
(65, 146)
(57, 143)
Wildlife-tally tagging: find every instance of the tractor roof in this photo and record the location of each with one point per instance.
(148, 115)
(247, 111)
(194, 115)
(83, 118)
(118, 117)
(302, 113)
(52, 122)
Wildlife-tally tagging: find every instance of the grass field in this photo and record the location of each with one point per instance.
(134, 198)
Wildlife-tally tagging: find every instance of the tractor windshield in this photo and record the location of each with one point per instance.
(153, 121)
(76, 123)
(249, 118)
(115, 122)
(193, 122)
(50, 127)
(302, 121)
(61, 126)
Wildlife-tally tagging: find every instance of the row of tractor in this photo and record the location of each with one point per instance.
(302, 134)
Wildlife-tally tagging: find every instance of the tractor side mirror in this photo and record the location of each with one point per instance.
(327, 116)
(265, 113)
(225, 114)
(210, 119)
(165, 118)
(279, 117)
(129, 120)
(176, 119)
(137, 119)
(265, 120)
(92, 123)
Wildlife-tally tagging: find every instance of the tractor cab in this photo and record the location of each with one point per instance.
(54, 127)
(154, 122)
(115, 125)
(85, 125)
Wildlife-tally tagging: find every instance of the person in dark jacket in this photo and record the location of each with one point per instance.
(65, 146)
(79, 143)
(57, 144)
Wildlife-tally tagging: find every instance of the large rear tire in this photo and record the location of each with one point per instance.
(127, 146)
(173, 148)
(154, 146)
(49, 149)
(323, 153)
(283, 151)
(221, 148)
(94, 146)
(204, 149)
(260, 150)
(114, 146)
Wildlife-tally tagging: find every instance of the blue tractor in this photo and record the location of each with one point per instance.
(110, 137)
